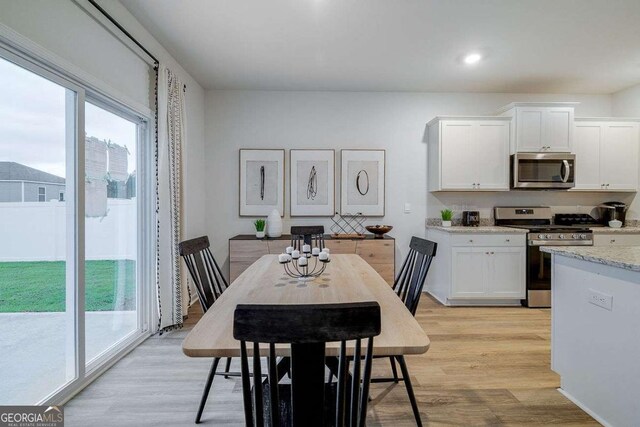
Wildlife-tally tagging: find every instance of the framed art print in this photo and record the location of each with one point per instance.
(362, 182)
(261, 182)
(312, 182)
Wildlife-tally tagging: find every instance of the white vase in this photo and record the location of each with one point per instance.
(260, 234)
(446, 223)
(274, 224)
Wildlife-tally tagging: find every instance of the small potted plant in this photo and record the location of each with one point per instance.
(446, 214)
(260, 223)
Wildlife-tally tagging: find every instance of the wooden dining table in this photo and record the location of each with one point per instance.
(347, 278)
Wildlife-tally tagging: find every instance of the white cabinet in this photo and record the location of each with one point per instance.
(506, 273)
(607, 154)
(541, 127)
(469, 154)
(477, 269)
(616, 239)
(487, 272)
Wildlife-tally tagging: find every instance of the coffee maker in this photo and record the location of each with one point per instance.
(610, 211)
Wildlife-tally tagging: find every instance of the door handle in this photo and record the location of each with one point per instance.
(567, 171)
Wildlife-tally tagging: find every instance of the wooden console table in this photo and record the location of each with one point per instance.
(245, 249)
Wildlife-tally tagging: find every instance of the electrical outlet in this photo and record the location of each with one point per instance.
(407, 208)
(601, 300)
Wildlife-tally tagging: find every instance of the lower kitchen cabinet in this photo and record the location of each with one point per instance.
(478, 269)
(616, 239)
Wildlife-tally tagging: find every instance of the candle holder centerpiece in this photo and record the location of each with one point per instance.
(297, 264)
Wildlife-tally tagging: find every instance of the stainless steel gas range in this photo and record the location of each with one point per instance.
(569, 230)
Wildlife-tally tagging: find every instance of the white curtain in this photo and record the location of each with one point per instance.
(173, 293)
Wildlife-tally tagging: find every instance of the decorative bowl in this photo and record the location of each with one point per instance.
(615, 223)
(379, 230)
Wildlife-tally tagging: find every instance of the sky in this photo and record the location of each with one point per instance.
(32, 122)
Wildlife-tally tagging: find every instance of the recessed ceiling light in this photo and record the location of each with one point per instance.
(472, 58)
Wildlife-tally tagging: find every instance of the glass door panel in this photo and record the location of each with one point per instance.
(37, 283)
(111, 229)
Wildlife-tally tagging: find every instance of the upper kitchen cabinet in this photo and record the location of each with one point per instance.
(541, 126)
(607, 154)
(469, 153)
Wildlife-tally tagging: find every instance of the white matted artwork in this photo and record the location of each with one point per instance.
(261, 182)
(362, 182)
(312, 182)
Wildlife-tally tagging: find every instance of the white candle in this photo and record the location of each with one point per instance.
(295, 254)
(289, 249)
(306, 248)
(327, 250)
(302, 261)
(315, 251)
(283, 258)
(323, 256)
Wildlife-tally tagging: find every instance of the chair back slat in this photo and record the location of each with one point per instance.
(307, 329)
(204, 270)
(307, 235)
(413, 274)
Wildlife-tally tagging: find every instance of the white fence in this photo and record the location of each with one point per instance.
(37, 231)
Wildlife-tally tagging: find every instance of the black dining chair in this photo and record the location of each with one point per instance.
(209, 284)
(309, 400)
(307, 235)
(408, 286)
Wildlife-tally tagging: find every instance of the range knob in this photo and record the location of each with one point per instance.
(583, 236)
(575, 236)
(548, 236)
(540, 236)
(561, 236)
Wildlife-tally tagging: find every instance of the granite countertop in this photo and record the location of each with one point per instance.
(609, 230)
(626, 257)
(477, 230)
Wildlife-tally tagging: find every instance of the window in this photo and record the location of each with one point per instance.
(42, 194)
(61, 196)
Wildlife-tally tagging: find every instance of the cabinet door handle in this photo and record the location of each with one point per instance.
(492, 253)
(487, 253)
(470, 240)
(508, 240)
(613, 240)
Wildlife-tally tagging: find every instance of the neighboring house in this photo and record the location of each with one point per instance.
(20, 183)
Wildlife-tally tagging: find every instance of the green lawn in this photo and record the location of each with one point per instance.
(40, 286)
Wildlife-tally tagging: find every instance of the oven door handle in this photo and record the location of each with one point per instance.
(567, 170)
(563, 243)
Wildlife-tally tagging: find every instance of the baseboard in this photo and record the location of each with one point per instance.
(584, 407)
(483, 302)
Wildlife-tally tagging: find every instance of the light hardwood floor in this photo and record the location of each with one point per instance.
(486, 366)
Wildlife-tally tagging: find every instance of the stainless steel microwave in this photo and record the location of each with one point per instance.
(539, 171)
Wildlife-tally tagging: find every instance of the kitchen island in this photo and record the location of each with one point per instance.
(595, 336)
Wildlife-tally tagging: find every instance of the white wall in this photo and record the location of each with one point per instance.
(193, 151)
(392, 121)
(34, 231)
(626, 103)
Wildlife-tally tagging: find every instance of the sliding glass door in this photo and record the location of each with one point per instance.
(111, 284)
(37, 255)
(73, 232)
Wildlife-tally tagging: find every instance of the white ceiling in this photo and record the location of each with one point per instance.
(552, 46)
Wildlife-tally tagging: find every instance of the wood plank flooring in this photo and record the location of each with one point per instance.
(486, 366)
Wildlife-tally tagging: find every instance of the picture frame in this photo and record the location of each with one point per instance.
(362, 182)
(261, 187)
(312, 182)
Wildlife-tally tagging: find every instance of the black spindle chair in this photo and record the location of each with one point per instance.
(210, 284)
(408, 286)
(307, 235)
(309, 400)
